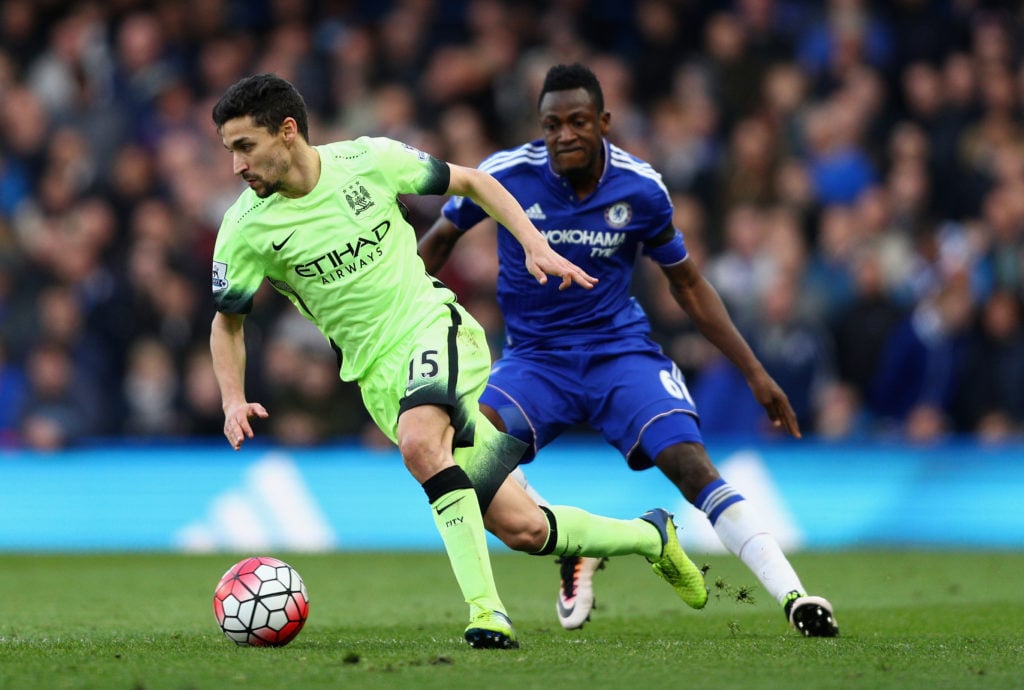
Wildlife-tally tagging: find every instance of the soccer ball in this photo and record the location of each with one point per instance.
(261, 602)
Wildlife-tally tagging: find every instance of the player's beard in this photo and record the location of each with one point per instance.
(263, 189)
(277, 168)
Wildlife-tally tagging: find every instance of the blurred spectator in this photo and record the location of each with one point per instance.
(794, 192)
(683, 143)
(786, 250)
(632, 128)
(23, 129)
(958, 191)
(464, 136)
(660, 26)
(796, 352)
(740, 273)
(465, 72)
(289, 52)
(151, 391)
(203, 416)
(734, 75)
(749, 170)
(838, 166)
(143, 68)
(130, 180)
(845, 34)
(765, 24)
(14, 185)
(63, 322)
(783, 102)
(223, 57)
(997, 128)
(1001, 239)
(22, 32)
(990, 401)
(862, 327)
(922, 364)
(59, 409)
(829, 280)
(863, 93)
(73, 80)
(724, 402)
(402, 44)
(309, 404)
(12, 397)
(840, 414)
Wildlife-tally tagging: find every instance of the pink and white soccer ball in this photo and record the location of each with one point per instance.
(261, 602)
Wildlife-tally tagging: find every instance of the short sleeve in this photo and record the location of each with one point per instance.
(667, 249)
(664, 243)
(237, 274)
(408, 169)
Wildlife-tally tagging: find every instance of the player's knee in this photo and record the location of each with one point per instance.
(422, 456)
(425, 438)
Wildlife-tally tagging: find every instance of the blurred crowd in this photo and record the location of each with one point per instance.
(849, 174)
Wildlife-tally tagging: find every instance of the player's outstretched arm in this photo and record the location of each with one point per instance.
(702, 303)
(227, 348)
(541, 259)
(437, 243)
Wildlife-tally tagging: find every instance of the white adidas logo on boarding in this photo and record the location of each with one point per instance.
(271, 508)
(535, 212)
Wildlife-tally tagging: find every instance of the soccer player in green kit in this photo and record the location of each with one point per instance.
(323, 224)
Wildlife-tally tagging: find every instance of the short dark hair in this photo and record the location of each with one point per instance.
(574, 76)
(268, 99)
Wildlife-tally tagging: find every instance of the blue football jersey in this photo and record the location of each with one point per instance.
(601, 233)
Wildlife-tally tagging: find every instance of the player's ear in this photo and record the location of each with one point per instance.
(289, 130)
(605, 120)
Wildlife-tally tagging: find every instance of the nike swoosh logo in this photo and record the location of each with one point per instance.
(563, 611)
(278, 246)
(416, 389)
(441, 509)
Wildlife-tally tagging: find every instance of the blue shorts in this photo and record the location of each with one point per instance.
(631, 393)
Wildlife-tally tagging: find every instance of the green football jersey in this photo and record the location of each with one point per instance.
(343, 254)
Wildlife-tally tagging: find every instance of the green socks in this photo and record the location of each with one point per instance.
(457, 515)
(576, 532)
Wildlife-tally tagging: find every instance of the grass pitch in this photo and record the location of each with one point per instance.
(144, 622)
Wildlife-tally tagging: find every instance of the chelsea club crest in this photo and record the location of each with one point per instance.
(618, 215)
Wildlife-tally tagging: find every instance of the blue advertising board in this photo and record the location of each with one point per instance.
(208, 498)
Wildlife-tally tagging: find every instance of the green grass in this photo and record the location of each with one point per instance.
(909, 620)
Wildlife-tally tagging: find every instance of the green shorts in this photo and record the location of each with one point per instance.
(446, 364)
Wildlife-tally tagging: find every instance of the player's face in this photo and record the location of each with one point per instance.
(261, 159)
(573, 132)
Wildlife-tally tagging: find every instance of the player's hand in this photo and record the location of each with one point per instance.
(775, 402)
(236, 422)
(545, 261)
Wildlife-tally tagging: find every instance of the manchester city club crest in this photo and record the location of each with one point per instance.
(618, 215)
(358, 197)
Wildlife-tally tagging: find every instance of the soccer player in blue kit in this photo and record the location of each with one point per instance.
(588, 358)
